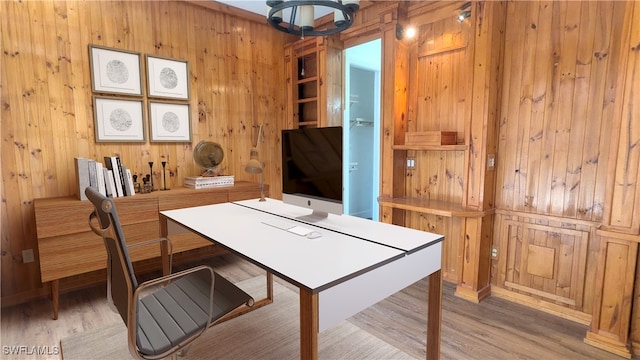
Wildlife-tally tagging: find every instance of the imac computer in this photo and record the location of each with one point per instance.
(312, 170)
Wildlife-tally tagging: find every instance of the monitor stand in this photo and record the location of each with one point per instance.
(315, 216)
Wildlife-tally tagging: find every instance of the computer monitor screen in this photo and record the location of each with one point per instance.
(312, 169)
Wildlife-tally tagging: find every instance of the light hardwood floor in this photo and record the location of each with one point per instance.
(493, 329)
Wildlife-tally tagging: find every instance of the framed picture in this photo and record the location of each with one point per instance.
(118, 120)
(115, 71)
(167, 78)
(169, 122)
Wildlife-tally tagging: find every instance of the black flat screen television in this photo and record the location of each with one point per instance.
(312, 169)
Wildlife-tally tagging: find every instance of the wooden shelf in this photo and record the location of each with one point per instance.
(308, 123)
(306, 100)
(307, 79)
(434, 207)
(431, 147)
(311, 98)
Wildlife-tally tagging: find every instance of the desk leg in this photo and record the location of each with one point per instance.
(164, 248)
(270, 286)
(55, 297)
(434, 316)
(308, 325)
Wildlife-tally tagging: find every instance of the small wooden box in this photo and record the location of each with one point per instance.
(431, 138)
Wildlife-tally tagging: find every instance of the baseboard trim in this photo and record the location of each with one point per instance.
(607, 344)
(472, 295)
(550, 308)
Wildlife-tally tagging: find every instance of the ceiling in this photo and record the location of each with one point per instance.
(260, 7)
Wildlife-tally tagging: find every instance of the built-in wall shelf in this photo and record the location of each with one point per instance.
(434, 207)
(307, 100)
(460, 147)
(313, 66)
(307, 79)
(308, 123)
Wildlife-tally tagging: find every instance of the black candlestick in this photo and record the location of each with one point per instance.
(136, 186)
(151, 171)
(164, 175)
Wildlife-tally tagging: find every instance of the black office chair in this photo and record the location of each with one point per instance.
(163, 315)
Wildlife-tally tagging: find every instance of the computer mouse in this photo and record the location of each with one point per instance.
(313, 235)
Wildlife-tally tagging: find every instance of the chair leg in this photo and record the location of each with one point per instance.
(183, 351)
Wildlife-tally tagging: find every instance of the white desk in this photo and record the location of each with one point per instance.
(356, 262)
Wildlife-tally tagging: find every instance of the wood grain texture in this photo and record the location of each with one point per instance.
(624, 211)
(566, 150)
(309, 310)
(565, 141)
(235, 74)
(611, 321)
(552, 137)
(493, 329)
(67, 246)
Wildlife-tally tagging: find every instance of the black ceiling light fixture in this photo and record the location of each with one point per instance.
(301, 19)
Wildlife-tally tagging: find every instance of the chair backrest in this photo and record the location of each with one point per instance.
(121, 280)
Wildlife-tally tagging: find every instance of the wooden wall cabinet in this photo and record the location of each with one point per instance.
(314, 82)
(67, 246)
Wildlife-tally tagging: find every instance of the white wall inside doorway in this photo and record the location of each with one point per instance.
(362, 130)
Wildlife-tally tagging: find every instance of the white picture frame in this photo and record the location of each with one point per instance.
(115, 71)
(169, 122)
(118, 119)
(167, 78)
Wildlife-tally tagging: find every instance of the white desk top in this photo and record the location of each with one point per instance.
(315, 264)
(399, 237)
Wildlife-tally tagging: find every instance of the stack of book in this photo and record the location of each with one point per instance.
(205, 182)
(112, 180)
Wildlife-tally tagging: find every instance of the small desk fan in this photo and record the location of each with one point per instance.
(209, 155)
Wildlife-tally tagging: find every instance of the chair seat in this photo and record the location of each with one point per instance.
(172, 314)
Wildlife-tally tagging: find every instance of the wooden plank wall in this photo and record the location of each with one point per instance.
(555, 134)
(440, 99)
(567, 105)
(236, 71)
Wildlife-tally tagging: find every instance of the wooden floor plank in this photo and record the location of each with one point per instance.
(493, 329)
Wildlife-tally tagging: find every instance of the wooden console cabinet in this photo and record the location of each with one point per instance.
(68, 247)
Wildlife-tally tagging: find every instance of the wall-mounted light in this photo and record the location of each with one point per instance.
(463, 15)
(402, 33)
(465, 12)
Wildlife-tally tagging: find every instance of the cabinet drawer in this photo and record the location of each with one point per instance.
(61, 218)
(195, 198)
(67, 255)
(74, 254)
(247, 193)
(188, 241)
(70, 216)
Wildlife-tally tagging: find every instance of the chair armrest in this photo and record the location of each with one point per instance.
(154, 241)
(175, 276)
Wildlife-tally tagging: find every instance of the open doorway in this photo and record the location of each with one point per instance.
(362, 130)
